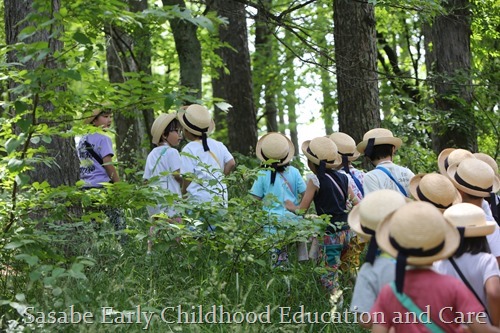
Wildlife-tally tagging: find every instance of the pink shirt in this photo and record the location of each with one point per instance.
(445, 298)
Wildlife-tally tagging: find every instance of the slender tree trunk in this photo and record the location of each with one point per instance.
(450, 74)
(290, 98)
(327, 89)
(356, 61)
(64, 170)
(188, 50)
(235, 84)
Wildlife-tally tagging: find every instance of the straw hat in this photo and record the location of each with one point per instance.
(489, 160)
(275, 146)
(436, 189)
(451, 156)
(474, 177)
(471, 218)
(196, 119)
(160, 124)
(345, 145)
(321, 149)
(375, 206)
(380, 136)
(419, 226)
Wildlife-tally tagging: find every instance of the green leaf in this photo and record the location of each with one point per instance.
(15, 164)
(35, 140)
(21, 297)
(12, 145)
(23, 124)
(30, 260)
(75, 75)
(20, 106)
(17, 244)
(81, 38)
(22, 179)
(46, 138)
(57, 291)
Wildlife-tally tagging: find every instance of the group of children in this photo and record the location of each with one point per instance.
(414, 226)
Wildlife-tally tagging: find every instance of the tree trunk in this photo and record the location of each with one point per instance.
(235, 85)
(188, 50)
(130, 53)
(450, 35)
(327, 89)
(356, 62)
(64, 170)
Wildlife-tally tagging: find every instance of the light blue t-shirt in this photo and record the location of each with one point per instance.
(288, 185)
(91, 171)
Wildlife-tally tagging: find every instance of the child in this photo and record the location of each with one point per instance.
(203, 158)
(435, 189)
(379, 145)
(417, 235)
(277, 183)
(473, 263)
(451, 156)
(476, 180)
(494, 201)
(347, 150)
(164, 162)
(330, 191)
(95, 152)
(377, 271)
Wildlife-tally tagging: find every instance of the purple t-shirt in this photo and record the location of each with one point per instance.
(91, 171)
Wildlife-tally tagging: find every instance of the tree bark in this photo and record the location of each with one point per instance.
(356, 62)
(188, 50)
(450, 74)
(235, 85)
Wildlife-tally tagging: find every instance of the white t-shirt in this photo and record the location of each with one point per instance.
(477, 268)
(206, 166)
(160, 163)
(376, 179)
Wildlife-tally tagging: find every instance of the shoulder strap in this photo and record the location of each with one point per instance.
(287, 183)
(466, 282)
(358, 184)
(388, 173)
(408, 304)
(92, 152)
(337, 186)
(213, 155)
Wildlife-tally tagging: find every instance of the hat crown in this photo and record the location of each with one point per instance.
(465, 215)
(458, 155)
(345, 143)
(476, 173)
(198, 115)
(378, 133)
(275, 146)
(418, 225)
(159, 125)
(438, 189)
(488, 160)
(377, 205)
(323, 148)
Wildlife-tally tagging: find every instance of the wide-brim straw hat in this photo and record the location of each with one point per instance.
(451, 156)
(196, 119)
(275, 146)
(159, 125)
(470, 217)
(418, 225)
(381, 136)
(321, 149)
(489, 160)
(345, 145)
(373, 209)
(435, 189)
(474, 177)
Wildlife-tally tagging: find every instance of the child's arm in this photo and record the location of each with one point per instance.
(177, 176)
(481, 327)
(308, 197)
(110, 168)
(492, 288)
(229, 167)
(377, 328)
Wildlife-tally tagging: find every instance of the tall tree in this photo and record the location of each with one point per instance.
(356, 64)
(130, 52)
(63, 168)
(188, 50)
(449, 65)
(234, 83)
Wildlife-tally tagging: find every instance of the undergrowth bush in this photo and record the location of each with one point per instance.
(63, 256)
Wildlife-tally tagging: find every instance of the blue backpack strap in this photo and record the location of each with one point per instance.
(408, 304)
(388, 173)
(358, 184)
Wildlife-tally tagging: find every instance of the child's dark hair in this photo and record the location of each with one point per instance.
(174, 125)
(276, 168)
(380, 151)
(473, 245)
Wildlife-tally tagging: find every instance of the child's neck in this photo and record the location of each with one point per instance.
(384, 160)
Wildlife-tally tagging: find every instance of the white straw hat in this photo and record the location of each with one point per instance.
(159, 125)
(470, 217)
(379, 136)
(434, 188)
(474, 177)
(196, 119)
(345, 145)
(275, 146)
(321, 149)
(451, 156)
